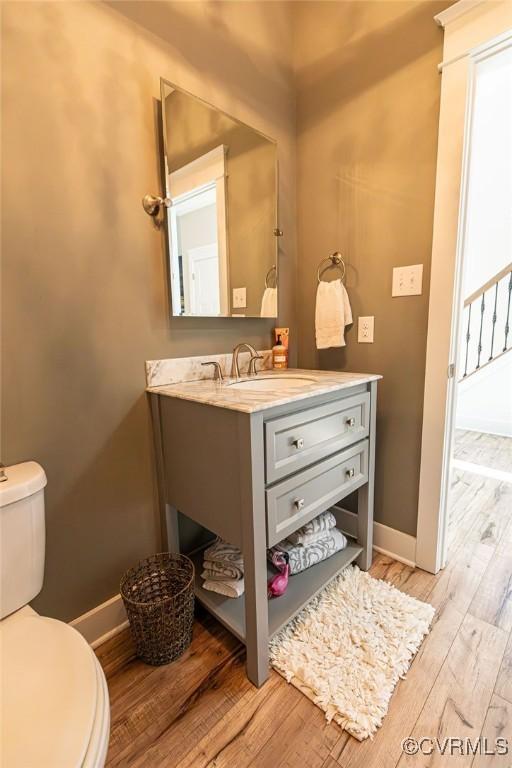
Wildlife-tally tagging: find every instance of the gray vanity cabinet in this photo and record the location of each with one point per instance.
(254, 478)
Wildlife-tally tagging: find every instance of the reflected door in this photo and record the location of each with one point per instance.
(203, 283)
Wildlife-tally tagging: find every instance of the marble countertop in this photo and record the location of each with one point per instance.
(223, 395)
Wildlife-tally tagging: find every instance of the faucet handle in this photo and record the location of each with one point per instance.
(217, 372)
(252, 364)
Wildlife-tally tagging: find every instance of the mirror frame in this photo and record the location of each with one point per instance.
(166, 218)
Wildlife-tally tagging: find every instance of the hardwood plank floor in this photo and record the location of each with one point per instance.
(201, 711)
(459, 699)
(481, 448)
(498, 724)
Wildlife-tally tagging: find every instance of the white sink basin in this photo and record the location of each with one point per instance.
(273, 383)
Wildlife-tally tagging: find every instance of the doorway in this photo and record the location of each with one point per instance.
(476, 453)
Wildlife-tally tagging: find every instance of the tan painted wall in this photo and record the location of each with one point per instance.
(367, 117)
(84, 290)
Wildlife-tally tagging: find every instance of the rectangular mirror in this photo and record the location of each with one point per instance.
(221, 179)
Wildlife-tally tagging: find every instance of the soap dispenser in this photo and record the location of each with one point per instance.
(279, 356)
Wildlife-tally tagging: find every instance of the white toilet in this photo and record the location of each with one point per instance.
(54, 697)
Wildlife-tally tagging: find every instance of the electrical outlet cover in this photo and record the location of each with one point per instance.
(239, 298)
(365, 329)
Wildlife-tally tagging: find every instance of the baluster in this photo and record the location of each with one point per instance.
(494, 318)
(468, 336)
(507, 327)
(482, 310)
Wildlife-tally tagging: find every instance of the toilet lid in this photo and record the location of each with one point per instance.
(49, 693)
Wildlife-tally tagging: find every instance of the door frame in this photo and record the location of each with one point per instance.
(440, 388)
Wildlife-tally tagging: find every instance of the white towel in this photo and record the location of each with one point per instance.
(332, 314)
(227, 587)
(269, 303)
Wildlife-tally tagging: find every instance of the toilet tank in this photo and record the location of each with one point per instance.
(22, 535)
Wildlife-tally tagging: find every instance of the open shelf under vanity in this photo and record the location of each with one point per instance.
(301, 588)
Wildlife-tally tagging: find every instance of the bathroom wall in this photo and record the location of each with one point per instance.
(367, 119)
(84, 293)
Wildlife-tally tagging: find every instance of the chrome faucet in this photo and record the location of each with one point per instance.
(235, 368)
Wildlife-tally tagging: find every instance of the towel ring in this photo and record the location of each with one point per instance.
(273, 268)
(334, 260)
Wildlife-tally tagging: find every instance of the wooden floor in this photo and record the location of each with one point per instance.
(202, 711)
(479, 507)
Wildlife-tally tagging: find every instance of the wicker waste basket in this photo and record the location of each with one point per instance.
(158, 594)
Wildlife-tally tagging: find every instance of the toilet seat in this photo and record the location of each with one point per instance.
(54, 696)
(98, 744)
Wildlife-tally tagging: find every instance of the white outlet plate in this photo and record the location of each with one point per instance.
(239, 298)
(365, 330)
(407, 281)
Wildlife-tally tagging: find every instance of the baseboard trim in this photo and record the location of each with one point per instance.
(396, 544)
(102, 622)
(388, 541)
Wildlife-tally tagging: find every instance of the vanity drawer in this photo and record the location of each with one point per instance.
(294, 502)
(296, 441)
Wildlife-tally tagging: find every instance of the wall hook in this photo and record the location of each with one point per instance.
(153, 203)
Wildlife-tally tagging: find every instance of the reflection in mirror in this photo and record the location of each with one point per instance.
(221, 178)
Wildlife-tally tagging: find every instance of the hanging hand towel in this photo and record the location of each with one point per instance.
(332, 314)
(269, 303)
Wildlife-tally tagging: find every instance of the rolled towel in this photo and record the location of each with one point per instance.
(225, 555)
(227, 587)
(308, 534)
(223, 571)
(302, 557)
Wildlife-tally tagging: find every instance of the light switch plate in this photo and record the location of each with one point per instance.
(239, 298)
(365, 330)
(407, 281)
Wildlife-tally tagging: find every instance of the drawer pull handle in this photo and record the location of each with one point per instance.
(351, 422)
(298, 503)
(299, 443)
(350, 472)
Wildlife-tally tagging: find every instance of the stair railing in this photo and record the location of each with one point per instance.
(484, 312)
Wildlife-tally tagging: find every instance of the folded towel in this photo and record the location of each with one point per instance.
(332, 314)
(226, 587)
(225, 555)
(210, 575)
(269, 303)
(305, 540)
(308, 534)
(222, 571)
(304, 557)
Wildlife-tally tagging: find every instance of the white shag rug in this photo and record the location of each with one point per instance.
(347, 649)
